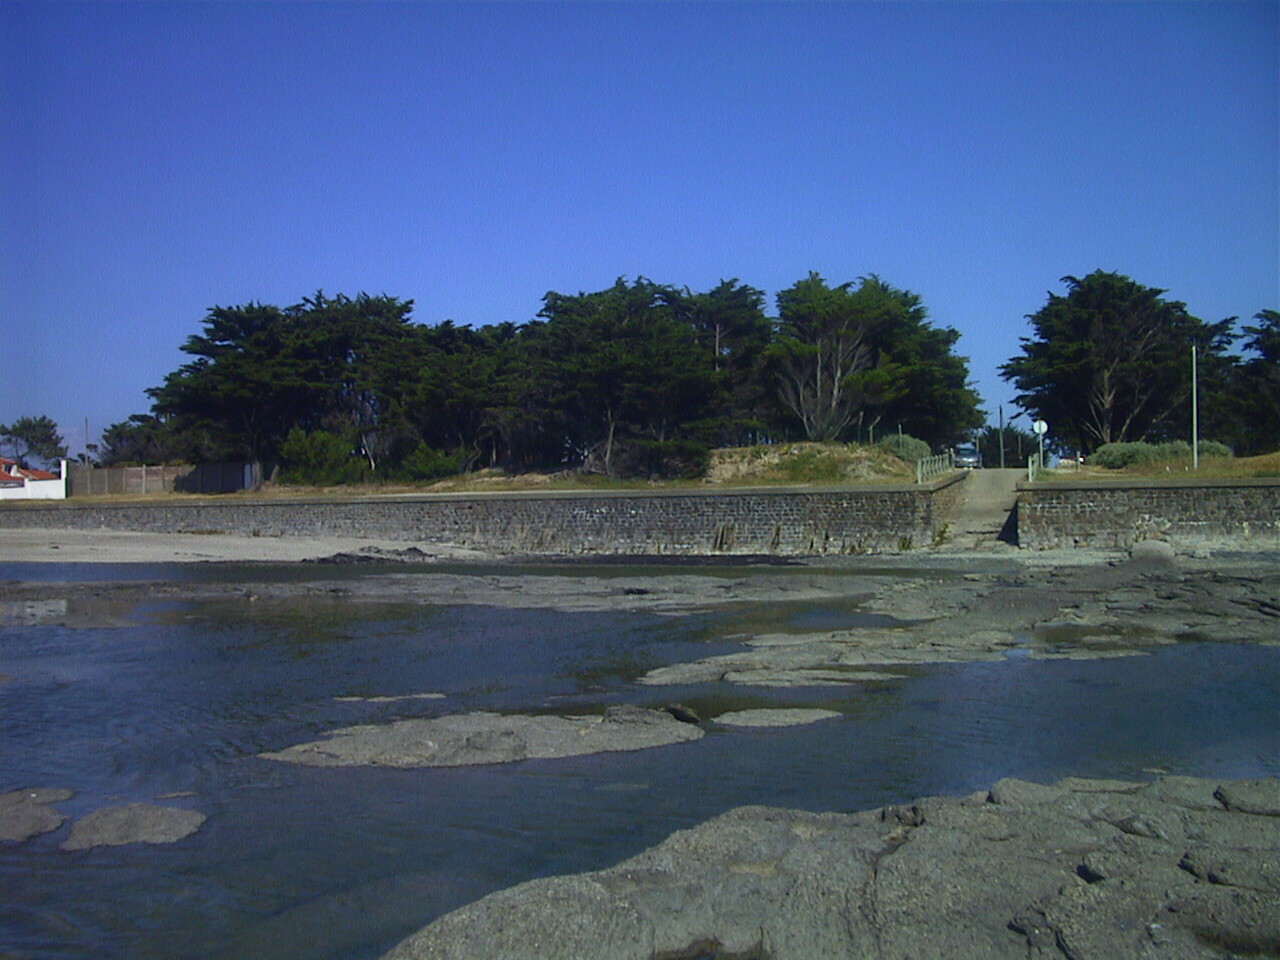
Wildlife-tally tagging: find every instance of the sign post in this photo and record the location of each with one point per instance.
(1041, 428)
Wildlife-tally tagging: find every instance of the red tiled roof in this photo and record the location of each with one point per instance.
(9, 470)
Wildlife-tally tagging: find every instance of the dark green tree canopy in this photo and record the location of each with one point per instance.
(261, 371)
(824, 339)
(146, 439)
(32, 442)
(640, 378)
(866, 355)
(1264, 338)
(621, 363)
(729, 323)
(1111, 362)
(1258, 385)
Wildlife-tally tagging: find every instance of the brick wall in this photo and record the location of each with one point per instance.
(785, 522)
(1187, 513)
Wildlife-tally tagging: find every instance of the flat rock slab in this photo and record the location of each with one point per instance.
(133, 823)
(1152, 551)
(479, 738)
(1068, 613)
(779, 717)
(1251, 796)
(26, 813)
(1086, 870)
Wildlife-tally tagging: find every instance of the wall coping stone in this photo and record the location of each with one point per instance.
(1145, 483)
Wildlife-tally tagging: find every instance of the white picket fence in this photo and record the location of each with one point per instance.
(1034, 466)
(934, 466)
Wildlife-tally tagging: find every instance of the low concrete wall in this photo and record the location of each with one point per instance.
(35, 490)
(184, 478)
(1187, 513)
(795, 521)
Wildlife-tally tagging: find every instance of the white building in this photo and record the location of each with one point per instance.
(21, 483)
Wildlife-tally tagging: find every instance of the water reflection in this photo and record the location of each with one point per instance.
(311, 863)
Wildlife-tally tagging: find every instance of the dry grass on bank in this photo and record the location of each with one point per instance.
(777, 464)
(1211, 468)
(789, 463)
(807, 463)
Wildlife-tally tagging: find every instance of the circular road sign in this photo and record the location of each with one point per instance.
(1040, 427)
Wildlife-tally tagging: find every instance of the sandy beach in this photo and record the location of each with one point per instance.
(49, 545)
(114, 546)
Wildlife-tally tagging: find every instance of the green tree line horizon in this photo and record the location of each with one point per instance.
(643, 379)
(638, 379)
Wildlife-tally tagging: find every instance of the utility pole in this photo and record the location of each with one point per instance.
(1000, 407)
(1195, 415)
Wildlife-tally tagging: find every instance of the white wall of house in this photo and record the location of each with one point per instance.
(38, 489)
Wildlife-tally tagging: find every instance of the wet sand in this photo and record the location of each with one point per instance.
(31, 545)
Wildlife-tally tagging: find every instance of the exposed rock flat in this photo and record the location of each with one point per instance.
(27, 813)
(478, 738)
(1084, 870)
(775, 717)
(1074, 612)
(132, 823)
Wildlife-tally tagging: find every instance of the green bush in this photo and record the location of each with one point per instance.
(905, 447)
(1116, 456)
(1212, 448)
(320, 459)
(426, 463)
(1172, 450)
(662, 459)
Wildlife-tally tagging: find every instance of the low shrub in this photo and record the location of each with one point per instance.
(1172, 450)
(905, 447)
(662, 459)
(1212, 448)
(1117, 456)
(320, 459)
(426, 463)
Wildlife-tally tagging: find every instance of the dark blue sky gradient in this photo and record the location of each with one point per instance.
(160, 158)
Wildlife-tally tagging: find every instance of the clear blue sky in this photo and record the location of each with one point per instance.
(157, 159)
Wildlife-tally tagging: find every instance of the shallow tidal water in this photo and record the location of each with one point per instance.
(174, 703)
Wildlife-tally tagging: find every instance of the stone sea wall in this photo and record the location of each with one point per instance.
(1187, 513)
(794, 521)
